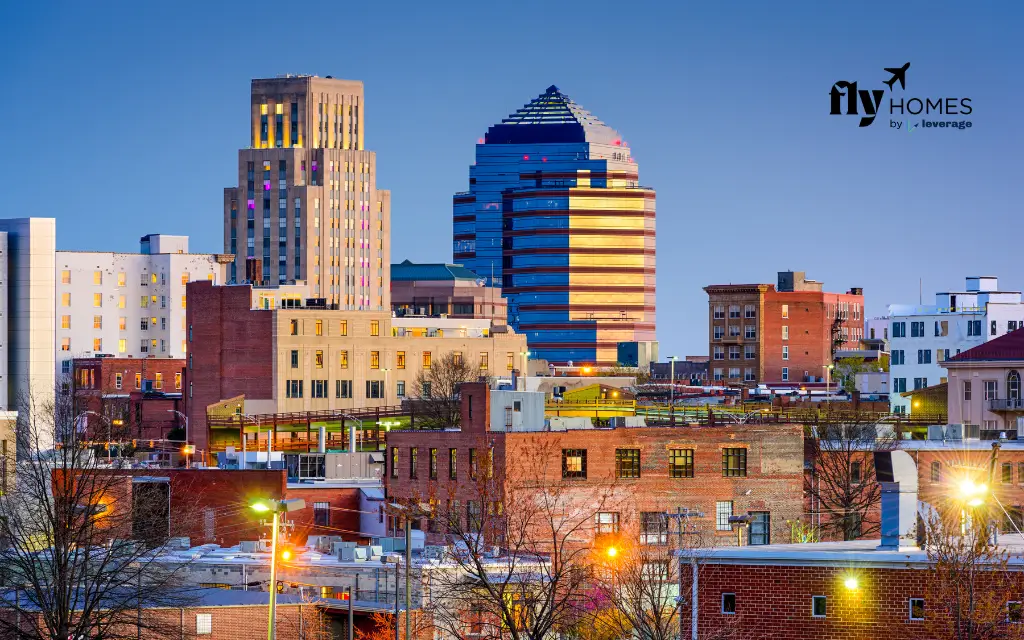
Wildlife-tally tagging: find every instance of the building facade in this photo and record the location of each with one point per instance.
(310, 358)
(985, 386)
(446, 290)
(131, 305)
(763, 333)
(555, 214)
(307, 206)
(642, 474)
(922, 337)
(27, 353)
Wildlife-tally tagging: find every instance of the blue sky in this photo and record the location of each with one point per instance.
(123, 119)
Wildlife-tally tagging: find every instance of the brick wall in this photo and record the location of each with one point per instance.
(229, 350)
(344, 515)
(810, 332)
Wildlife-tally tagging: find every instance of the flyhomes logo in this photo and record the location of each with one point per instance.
(848, 99)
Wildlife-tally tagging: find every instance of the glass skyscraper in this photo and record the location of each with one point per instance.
(556, 216)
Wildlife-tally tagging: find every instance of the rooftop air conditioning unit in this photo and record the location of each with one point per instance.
(337, 546)
(972, 432)
(353, 554)
(248, 546)
(954, 432)
(936, 432)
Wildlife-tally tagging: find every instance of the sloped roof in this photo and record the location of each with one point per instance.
(408, 271)
(1007, 347)
(551, 117)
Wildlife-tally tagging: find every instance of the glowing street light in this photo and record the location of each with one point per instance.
(611, 552)
(851, 583)
(972, 493)
(277, 507)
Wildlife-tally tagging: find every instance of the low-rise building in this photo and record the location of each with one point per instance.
(296, 355)
(923, 337)
(444, 290)
(985, 385)
(645, 473)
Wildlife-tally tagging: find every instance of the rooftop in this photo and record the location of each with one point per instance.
(1008, 347)
(552, 117)
(408, 271)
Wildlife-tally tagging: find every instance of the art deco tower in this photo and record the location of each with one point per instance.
(554, 214)
(307, 205)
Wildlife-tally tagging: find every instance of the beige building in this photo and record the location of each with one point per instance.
(307, 205)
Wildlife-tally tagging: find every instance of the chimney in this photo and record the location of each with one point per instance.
(896, 472)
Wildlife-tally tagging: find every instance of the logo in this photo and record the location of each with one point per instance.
(848, 99)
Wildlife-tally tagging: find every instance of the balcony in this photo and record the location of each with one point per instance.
(1006, 404)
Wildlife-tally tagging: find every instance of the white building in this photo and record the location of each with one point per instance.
(922, 336)
(26, 310)
(127, 304)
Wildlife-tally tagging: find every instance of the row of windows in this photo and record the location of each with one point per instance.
(748, 374)
(146, 278)
(749, 352)
(749, 331)
(86, 379)
(819, 607)
(144, 301)
(453, 463)
(319, 389)
(627, 463)
(318, 359)
(146, 345)
(749, 311)
(145, 324)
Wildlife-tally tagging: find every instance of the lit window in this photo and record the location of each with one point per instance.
(400, 360)
(120, 302)
(65, 299)
(426, 359)
(159, 381)
(184, 278)
(65, 322)
(97, 299)
(574, 463)
(97, 322)
(319, 359)
(138, 380)
(182, 302)
(120, 279)
(152, 278)
(97, 277)
(65, 277)
(374, 327)
(343, 328)
(204, 624)
(375, 359)
(97, 344)
(734, 463)
(343, 358)
(65, 344)
(118, 380)
(122, 346)
(484, 361)
(785, 311)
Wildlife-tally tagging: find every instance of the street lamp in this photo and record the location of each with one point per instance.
(672, 389)
(411, 511)
(277, 507)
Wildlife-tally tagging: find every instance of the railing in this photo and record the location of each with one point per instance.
(1006, 404)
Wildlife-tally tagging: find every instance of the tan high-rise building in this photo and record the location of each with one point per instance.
(307, 207)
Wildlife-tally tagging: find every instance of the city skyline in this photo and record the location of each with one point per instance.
(728, 113)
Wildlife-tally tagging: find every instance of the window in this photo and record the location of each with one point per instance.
(723, 511)
(122, 346)
(295, 359)
(484, 364)
(204, 624)
(318, 388)
(120, 302)
(718, 375)
(719, 332)
(1013, 387)
(680, 463)
(158, 381)
(322, 514)
(574, 463)
(749, 311)
(400, 360)
(719, 353)
(433, 464)
(97, 277)
(374, 388)
(719, 312)
(749, 352)
(924, 356)
(899, 385)
(729, 603)
(65, 277)
(294, 327)
(785, 352)
(118, 380)
(749, 332)
(453, 461)
(734, 311)
(897, 357)
(319, 328)
(65, 299)
(426, 359)
(607, 522)
(510, 360)
(65, 322)
(413, 451)
(785, 311)
(177, 381)
(375, 359)
(734, 373)
(293, 388)
(734, 463)
(785, 373)
(992, 328)
(394, 462)
(936, 471)
(343, 328)
(917, 608)
(457, 358)
(653, 527)
(760, 527)
(734, 352)
(1020, 472)
(627, 463)
(991, 389)
(374, 327)
(785, 332)
(899, 330)
(138, 380)
(1006, 476)
(974, 328)
(818, 606)
(343, 389)
(856, 474)
(343, 359)
(1013, 611)
(917, 329)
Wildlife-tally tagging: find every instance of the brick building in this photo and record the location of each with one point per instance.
(293, 354)
(647, 471)
(142, 393)
(786, 333)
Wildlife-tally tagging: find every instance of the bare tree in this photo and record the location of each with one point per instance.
(79, 558)
(521, 552)
(840, 483)
(970, 579)
(437, 404)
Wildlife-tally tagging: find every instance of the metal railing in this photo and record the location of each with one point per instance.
(1006, 404)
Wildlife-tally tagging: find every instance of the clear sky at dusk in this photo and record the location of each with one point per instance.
(122, 119)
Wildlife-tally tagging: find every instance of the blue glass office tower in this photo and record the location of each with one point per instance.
(555, 215)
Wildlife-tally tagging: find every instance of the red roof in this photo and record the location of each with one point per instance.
(1007, 347)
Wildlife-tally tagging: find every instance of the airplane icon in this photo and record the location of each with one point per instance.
(898, 74)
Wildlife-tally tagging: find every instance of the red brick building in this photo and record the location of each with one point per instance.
(650, 471)
(785, 333)
(142, 393)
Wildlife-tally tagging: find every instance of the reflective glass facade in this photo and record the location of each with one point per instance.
(555, 215)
